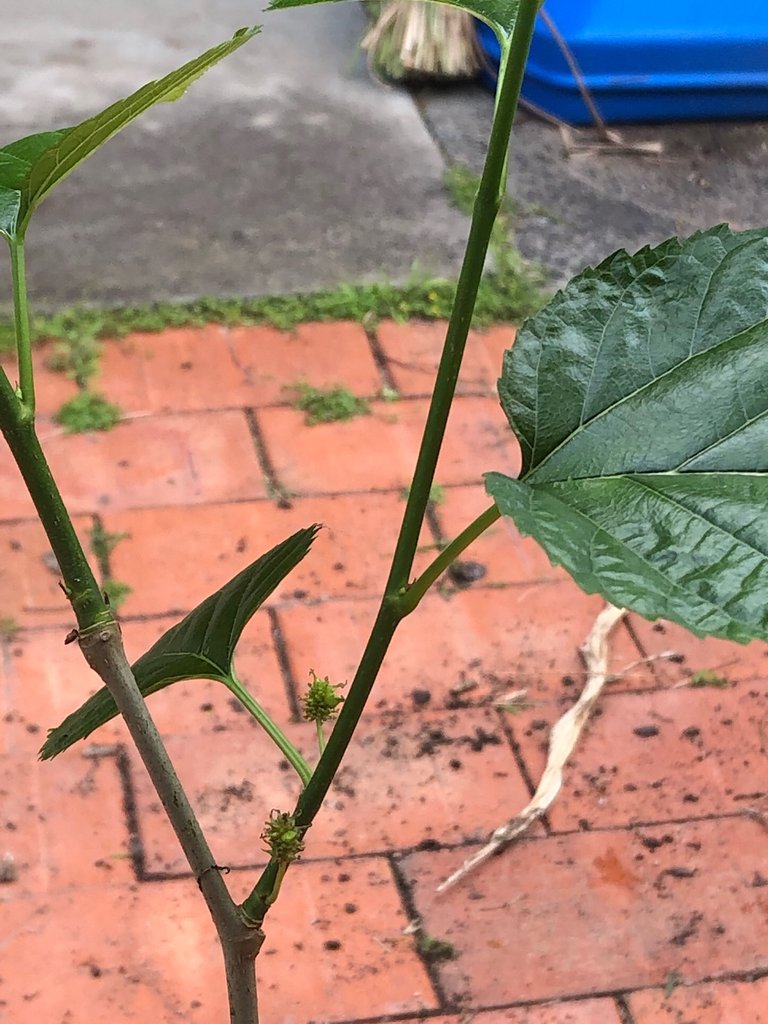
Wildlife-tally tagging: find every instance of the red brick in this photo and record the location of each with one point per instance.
(158, 460)
(419, 779)
(29, 576)
(596, 912)
(369, 452)
(734, 662)
(163, 964)
(375, 971)
(211, 543)
(179, 370)
(477, 440)
(42, 682)
(707, 757)
(403, 782)
(324, 355)
(62, 823)
(413, 352)
(52, 389)
(482, 644)
(505, 555)
(583, 1011)
(193, 369)
(379, 451)
(723, 1003)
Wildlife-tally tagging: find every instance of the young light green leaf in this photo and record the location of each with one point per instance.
(31, 167)
(201, 646)
(499, 14)
(639, 397)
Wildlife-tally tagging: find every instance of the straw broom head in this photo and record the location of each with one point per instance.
(416, 39)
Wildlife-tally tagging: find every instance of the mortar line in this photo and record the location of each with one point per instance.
(284, 661)
(522, 767)
(623, 1010)
(131, 814)
(277, 493)
(406, 898)
(380, 359)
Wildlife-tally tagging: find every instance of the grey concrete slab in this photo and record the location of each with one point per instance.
(285, 168)
(577, 208)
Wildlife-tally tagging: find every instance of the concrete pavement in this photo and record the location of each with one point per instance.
(285, 168)
(574, 209)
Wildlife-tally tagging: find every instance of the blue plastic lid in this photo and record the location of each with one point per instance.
(648, 59)
(665, 39)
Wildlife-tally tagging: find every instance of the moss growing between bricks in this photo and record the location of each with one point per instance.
(707, 677)
(436, 494)
(87, 411)
(434, 950)
(116, 591)
(511, 291)
(103, 543)
(9, 628)
(328, 405)
(76, 354)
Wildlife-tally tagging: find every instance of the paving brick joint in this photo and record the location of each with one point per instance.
(640, 899)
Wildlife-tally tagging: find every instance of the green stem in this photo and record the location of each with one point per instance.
(79, 582)
(487, 202)
(391, 612)
(270, 728)
(414, 593)
(23, 335)
(320, 737)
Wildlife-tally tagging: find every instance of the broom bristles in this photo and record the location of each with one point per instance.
(417, 39)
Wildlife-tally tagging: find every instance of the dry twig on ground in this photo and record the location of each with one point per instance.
(563, 738)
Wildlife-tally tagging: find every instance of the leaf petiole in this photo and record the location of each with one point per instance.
(411, 595)
(275, 733)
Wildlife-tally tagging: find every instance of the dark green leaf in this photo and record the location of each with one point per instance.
(640, 399)
(499, 14)
(201, 646)
(32, 166)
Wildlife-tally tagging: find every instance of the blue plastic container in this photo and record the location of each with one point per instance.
(649, 60)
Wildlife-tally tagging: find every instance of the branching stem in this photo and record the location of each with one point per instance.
(392, 609)
(413, 594)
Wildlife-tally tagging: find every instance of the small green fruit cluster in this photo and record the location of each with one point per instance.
(321, 701)
(284, 839)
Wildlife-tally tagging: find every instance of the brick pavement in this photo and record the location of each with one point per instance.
(639, 900)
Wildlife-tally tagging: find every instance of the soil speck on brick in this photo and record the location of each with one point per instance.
(421, 698)
(675, 872)
(431, 738)
(687, 930)
(428, 844)
(652, 843)
(646, 731)
(464, 574)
